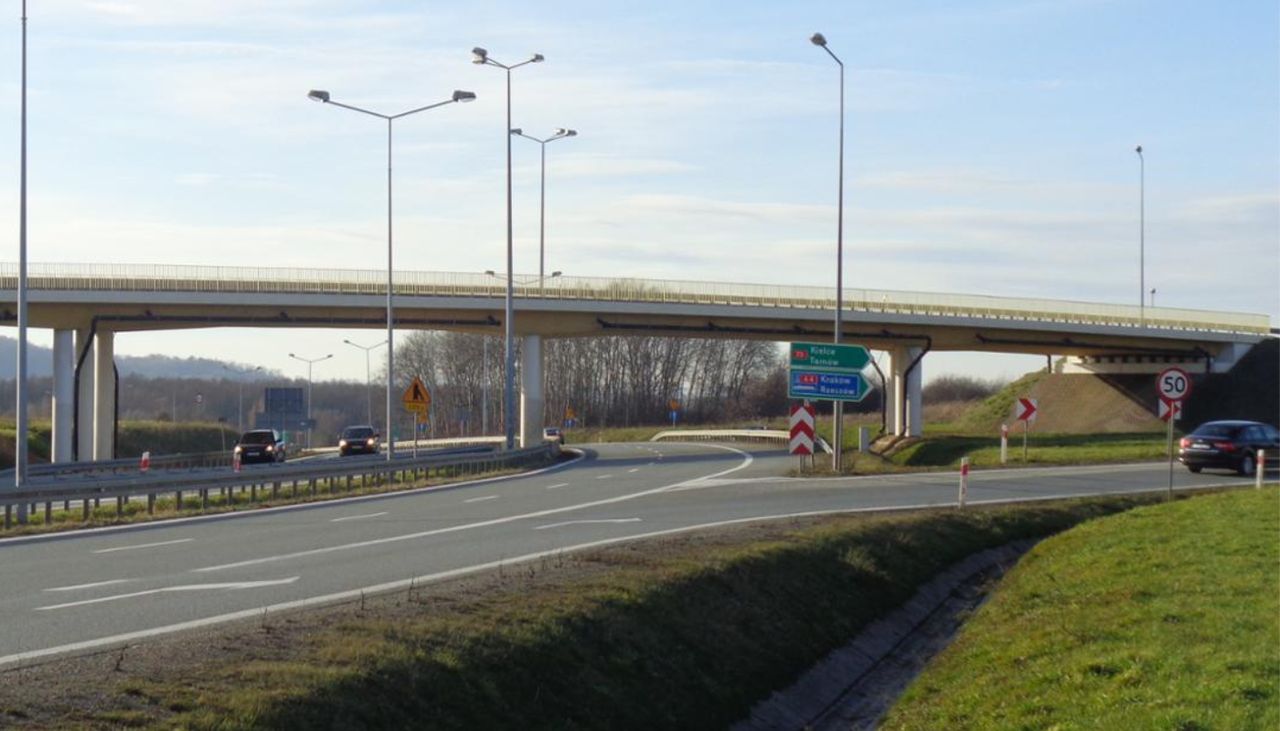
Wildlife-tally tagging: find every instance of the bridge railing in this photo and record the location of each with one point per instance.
(184, 278)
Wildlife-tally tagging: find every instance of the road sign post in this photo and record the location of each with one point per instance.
(1173, 385)
(829, 372)
(1025, 410)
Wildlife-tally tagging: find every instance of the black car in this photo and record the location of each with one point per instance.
(260, 445)
(359, 440)
(1229, 444)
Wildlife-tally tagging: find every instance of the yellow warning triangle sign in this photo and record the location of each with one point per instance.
(417, 397)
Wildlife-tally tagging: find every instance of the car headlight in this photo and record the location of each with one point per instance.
(239, 449)
(342, 442)
(371, 441)
(271, 447)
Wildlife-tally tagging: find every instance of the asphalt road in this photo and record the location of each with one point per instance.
(97, 588)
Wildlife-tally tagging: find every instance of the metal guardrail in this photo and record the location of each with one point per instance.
(746, 435)
(184, 278)
(330, 472)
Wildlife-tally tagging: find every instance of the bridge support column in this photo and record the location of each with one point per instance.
(914, 393)
(104, 396)
(84, 398)
(532, 400)
(64, 365)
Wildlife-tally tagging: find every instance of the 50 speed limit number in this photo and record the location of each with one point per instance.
(1173, 384)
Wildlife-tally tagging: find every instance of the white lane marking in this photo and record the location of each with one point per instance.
(482, 499)
(144, 545)
(351, 594)
(603, 477)
(557, 486)
(584, 522)
(471, 526)
(235, 585)
(80, 533)
(94, 585)
(633, 469)
(359, 516)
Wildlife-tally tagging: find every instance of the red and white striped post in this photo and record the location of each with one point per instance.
(145, 463)
(1259, 467)
(964, 480)
(235, 462)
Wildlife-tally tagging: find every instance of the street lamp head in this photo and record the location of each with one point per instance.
(479, 55)
(556, 274)
(318, 95)
(490, 272)
(537, 58)
(464, 96)
(517, 131)
(818, 39)
(1138, 149)
(291, 355)
(562, 132)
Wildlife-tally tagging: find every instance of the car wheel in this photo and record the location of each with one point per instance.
(1195, 469)
(1247, 465)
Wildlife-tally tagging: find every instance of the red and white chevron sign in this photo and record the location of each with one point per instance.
(1170, 409)
(1024, 409)
(802, 429)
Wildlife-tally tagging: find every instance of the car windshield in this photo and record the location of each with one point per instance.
(1228, 431)
(258, 437)
(357, 432)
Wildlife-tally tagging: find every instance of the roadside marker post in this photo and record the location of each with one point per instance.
(802, 423)
(1004, 444)
(1259, 467)
(964, 480)
(145, 463)
(235, 462)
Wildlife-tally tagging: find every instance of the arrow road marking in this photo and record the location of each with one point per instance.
(584, 522)
(144, 545)
(236, 585)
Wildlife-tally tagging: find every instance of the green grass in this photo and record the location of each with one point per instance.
(689, 638)
(1165, 617)
(1042, 449)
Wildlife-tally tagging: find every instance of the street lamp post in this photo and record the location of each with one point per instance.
(367, 393)
(817, 39)
(1142, 233)
(240, 374)
(20, 447)
(310, 362)
(560, 134)
(324, 97)
(481, 57)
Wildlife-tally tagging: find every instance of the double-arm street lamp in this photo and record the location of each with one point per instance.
(324, 97)
(838, 407)
(560, 134)
(240, 374)
(481, 57)
(367, 393)
(310, 362)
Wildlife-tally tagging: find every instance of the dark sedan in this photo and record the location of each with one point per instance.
(1230, 445)
(359, 440)
(260, 445)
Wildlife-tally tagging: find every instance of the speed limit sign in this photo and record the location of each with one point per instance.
(1173, 384)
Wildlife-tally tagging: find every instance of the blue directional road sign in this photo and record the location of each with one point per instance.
(826, 386)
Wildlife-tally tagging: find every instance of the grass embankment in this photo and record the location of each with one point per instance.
(135, 437)
(1165, 617)
(640, 637)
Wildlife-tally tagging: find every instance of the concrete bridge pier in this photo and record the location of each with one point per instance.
(84, 389)
(532, 398)
(64, 364)
(905, 403)
(104, 395)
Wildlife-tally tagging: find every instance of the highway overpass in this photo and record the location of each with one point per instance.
(85, 304)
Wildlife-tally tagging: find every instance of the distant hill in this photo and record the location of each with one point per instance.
(40, 363)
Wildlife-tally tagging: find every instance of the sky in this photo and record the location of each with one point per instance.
(989, 146)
